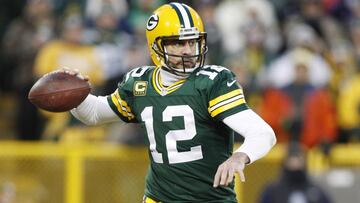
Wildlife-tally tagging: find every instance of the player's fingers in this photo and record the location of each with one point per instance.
(80, 76)
(224, 175)
(217, 177)
(65, 69)
(76, 71)
(85, 78)
(230, 176)
(242, 175)
(68, 71)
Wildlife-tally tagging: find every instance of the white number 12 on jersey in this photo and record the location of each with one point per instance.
(173, 136)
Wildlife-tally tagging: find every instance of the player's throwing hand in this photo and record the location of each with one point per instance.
(74, 72)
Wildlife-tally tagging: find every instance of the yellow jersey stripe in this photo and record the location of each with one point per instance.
(225, 102)
(121, 109)
(170, 91)
(157, 88)
(225, 96)
(149, 200)
(227, 107)
(116, 102)
(176, 84)
(157, 78)
(119, 102)
(123, 104)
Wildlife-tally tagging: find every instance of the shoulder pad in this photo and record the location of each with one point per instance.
(212, 71)
(138, 72)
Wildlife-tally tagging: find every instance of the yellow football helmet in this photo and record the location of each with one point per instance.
(175, 21)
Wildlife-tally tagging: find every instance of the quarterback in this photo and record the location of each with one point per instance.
(189, 112)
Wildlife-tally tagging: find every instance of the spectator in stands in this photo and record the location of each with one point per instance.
(348, 100)
(355, 38)
(111, 40)
(117, 49)
(304, 113)
(138, 16)
(68, 51)
(9, 10)
(303, 44)
(343, 63)
(289, 101)
(139, 12)
(294, 184)
(320, 126)
(232, 17)
(23, 39)
(207, 9)
(354, 7)
(314, 14)
(349, 110)
(273, 98)
(298, 92)
(253, 59)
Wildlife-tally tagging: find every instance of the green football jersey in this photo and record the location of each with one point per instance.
(183, 122)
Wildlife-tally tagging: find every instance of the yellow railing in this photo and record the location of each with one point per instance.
(72, 161)
(102, 172)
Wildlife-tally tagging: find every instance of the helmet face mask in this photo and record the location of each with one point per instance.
(177, 63)
(176, 23)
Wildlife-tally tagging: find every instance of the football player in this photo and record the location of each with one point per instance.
(189, 111)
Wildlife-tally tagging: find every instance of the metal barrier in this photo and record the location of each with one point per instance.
(102, 172)
(50, 172)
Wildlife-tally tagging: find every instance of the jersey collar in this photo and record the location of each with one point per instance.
(160, 88)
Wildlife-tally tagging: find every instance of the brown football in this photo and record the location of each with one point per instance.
(58, 92)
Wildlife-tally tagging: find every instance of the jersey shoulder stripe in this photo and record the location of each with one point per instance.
(120, 100)
(225, 94)
(225, 97)
(120, 107)
(226, 101)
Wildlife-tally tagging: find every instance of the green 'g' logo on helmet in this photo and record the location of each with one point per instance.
(152, 22)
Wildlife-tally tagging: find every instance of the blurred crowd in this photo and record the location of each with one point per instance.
(298, 61)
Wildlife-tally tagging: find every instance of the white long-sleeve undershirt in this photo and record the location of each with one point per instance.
(95, 110)
(259, 136)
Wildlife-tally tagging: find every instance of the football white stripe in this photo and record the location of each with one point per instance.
(183, 14)
(157, 79)
(124, 108)
(226, 102)
(174, 87)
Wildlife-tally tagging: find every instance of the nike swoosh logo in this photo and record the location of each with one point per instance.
(230, 83)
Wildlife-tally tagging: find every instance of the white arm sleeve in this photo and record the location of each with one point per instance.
(94, 110)
(259, 136)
